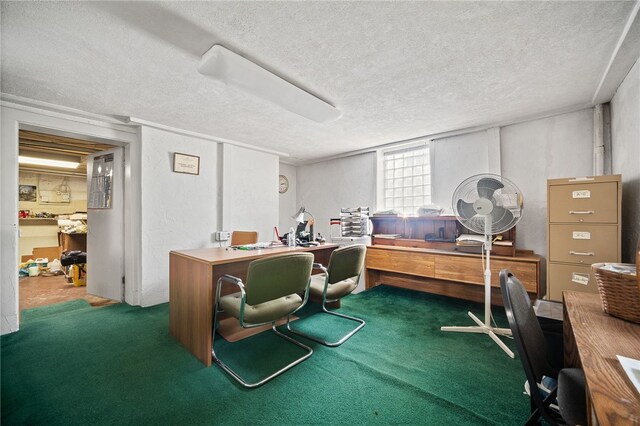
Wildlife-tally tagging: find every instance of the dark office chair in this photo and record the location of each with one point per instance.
(532, 348)
(270, 294)
(339, 279)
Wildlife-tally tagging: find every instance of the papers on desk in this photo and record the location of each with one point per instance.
(621, 268)
(632, 368)
(256, 246)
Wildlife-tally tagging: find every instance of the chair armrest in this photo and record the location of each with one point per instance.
(320, 266)
(231, 280)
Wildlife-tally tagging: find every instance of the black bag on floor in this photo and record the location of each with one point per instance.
(73, 258)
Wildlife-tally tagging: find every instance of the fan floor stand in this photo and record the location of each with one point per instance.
(485, 327)
(492, 332)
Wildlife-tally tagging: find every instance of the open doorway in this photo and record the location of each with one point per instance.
(53, 221)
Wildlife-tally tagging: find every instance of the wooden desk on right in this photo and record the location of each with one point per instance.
(592, 339)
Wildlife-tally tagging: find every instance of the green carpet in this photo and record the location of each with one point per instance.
(119, 365)
(44, 312)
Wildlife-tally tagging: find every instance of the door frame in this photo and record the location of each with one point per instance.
(23, 114)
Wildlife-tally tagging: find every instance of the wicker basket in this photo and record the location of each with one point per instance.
(619, 292)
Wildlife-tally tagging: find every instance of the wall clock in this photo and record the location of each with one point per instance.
(283, 184)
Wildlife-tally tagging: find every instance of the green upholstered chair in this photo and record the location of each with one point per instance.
(340, 278)
(269, 294)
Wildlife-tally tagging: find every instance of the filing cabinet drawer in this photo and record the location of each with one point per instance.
(589, 203)
(570, 277)
(584, 244)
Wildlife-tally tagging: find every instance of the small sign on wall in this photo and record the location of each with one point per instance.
(184, 163)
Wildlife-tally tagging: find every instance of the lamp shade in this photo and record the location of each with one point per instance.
(299, 215)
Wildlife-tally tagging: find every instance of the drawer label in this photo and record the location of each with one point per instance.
(581, 235)
(585, 193)
(580, 278)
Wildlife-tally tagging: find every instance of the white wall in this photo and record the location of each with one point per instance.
(287, 201)
(43, 182)
(325, 187)
(456, 158)
(249, 191)
(625, 142)
(9, 218)
(179, 210)
(534, 151)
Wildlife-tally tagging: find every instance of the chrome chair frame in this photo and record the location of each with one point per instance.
(325, 310)
(238, 282)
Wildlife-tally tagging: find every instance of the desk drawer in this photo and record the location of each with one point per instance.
(584, 244)
(589, 203)
(420, 264)
(569, 277)
(470, 270)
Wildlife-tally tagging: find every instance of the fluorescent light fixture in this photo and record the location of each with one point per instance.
(22, 159)
(231, 68)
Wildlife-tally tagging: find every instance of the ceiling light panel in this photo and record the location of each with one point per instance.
(231, 68)
(48, 162)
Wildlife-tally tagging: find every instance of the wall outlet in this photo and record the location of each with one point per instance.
(222, 236)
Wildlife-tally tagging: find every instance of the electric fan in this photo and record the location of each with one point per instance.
(489, 205)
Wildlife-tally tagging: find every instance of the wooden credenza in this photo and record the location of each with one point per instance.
(448, 273)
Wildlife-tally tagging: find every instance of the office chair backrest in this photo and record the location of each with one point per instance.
(526, 329)
(243, 237)
(277, 276)
(346, 262)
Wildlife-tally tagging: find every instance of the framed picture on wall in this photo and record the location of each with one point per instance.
(185, 163)
(27, 193)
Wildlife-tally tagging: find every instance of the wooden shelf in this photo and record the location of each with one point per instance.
(413, 232)
(38, 221)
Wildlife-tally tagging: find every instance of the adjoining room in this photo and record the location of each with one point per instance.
(53, 218)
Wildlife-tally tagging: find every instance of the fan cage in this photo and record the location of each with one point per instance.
(508, 197)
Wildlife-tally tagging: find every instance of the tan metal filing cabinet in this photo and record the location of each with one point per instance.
(584, 218)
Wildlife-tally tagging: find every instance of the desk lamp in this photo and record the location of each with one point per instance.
(299, 218)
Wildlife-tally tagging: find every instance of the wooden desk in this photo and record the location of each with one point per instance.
(592, 339)
(193, 275)
(71, 242)
(449, 273)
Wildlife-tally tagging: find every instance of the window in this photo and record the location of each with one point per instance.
(406, 179)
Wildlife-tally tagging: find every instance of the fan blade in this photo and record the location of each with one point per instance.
(465, 210)
(487, 186)
(501, 219)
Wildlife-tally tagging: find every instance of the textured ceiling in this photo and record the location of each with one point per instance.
(397, 70)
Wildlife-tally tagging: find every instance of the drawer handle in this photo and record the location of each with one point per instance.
(581, 212)
(577, 253)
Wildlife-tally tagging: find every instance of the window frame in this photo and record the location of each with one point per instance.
(380, 172)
